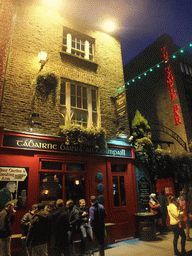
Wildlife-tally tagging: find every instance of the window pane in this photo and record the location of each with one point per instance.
(62, 99)
(84, 103)
(73, 89)
(50, 186)
(84, 92)
(94, 119)
(78, 102)
(79, 91)
(122, 191)
(48, 165)
(73, 101)
(76, 167)
(115, 191)
(63, 87)
(93, 94)
(118, 167)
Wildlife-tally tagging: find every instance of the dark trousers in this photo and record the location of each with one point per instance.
(177, 231)
(99, 235)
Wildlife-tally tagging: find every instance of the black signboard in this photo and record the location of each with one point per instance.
(121, 105)
(12, 141)
(144, 192)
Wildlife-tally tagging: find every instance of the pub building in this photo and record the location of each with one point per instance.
(57, 74)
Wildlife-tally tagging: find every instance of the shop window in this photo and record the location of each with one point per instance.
(118, 167)
(78, 44)
(78, 104)
(119, 191)
(13, 186)
(48, 165)
(50, 186)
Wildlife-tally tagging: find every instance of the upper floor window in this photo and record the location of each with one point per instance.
(78, 104)
(78, 44)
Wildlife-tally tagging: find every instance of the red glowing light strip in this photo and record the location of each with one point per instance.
(170, 84)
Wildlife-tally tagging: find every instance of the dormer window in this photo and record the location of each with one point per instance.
(78, 44)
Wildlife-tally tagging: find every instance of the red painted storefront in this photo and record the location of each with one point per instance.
(101, 174)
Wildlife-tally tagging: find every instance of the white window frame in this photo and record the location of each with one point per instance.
(89, 43)
(67, 110)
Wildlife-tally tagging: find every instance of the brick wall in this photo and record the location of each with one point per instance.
(38, 28)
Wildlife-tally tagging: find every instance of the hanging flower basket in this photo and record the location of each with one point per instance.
(46, 84)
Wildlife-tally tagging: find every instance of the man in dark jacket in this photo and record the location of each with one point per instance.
(73, 214)
(25, 222)
(7, 217)
(84, 225)
(97, 219)
(54, 215)
(39, 231)
(61, 242)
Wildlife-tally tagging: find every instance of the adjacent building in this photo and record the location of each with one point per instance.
(159, 84)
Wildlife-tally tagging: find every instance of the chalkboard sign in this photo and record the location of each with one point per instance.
(144, 192)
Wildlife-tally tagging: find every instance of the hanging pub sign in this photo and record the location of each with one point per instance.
(121, 105)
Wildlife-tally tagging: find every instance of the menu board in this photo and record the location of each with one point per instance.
(144, 192)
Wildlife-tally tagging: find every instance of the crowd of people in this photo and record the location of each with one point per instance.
(179, 211)
(50, 230)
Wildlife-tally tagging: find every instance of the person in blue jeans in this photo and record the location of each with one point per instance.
(84, 225)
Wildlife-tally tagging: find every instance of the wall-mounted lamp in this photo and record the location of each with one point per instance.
(42, 56)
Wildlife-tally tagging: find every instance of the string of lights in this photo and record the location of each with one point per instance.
(139, 77)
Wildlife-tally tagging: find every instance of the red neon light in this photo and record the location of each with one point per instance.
(177, 116)
(170, 84)
(165, 53)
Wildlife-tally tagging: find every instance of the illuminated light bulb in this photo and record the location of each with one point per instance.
(123, 86)
(109, 26)
(128, 83)
(133, 80)
(145, 74)
(151, 69)
(182, 51)
(139, 77)
(190, 45)
(174, 56)
(158, 65)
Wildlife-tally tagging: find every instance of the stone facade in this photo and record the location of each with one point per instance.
(36, 28)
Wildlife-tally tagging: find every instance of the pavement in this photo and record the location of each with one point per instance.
(162, 246)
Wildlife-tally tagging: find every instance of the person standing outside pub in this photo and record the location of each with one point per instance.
(175, 218)
(7, 217)
(183, 206)
(84, 225)
(97, 220)
(163, 209)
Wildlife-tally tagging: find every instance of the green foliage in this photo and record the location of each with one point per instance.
(140, 127)
(85, 137)
(46, 84)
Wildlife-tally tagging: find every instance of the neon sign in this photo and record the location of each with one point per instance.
(170, 85)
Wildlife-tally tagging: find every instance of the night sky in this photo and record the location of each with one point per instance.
(139, 22)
